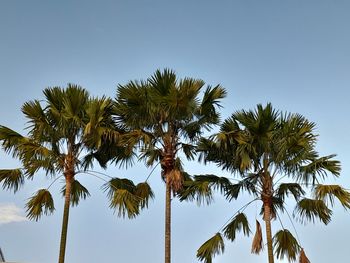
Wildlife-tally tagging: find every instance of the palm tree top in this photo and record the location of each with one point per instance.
(164, 100)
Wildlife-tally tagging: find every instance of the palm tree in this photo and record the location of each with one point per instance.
(167, 116)
(64, 137)
(274, 155)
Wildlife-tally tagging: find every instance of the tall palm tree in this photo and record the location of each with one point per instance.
(167, 116)
(64, 136)
(274, 155)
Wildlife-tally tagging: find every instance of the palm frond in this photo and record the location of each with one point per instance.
(302, 257)
(78, 192)
(310, 209)
(211, 248)
(329, 192)
(11, 141)
(11, 179)
(145, 193)
(122, 197)
(189, 150)
(40, 203)
(175, 180)
(257, 244)
(238, 223)
(285, 245)
(202, 186)
(196, 190)
(319, 167)
(290, 188)
(248, 183)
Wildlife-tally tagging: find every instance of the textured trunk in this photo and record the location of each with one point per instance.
(267, 201)
(65, 219)
(167, 222)
(267, 218)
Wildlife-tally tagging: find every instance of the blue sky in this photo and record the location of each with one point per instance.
(295, 54)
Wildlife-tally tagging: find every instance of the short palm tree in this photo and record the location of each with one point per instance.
(167, 116)
(64, 137)
(274, 155)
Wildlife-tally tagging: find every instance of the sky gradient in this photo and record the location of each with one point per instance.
(294, 54)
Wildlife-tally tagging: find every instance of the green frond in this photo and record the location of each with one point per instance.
(310, 209)
(248, 184)
(196, 190)
(40, 203)
(238, 224)
(11, 141)
(122, 197)
(125, 203)
(319, 167)
(329, 192)
(78, 192)
(200, 188)
(11, 179)
(211, 248)
(290, 188)
(151, 155)
(286, 245)
(189, 150)
(145, 193)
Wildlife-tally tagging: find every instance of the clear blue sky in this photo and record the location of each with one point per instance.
(295, 54)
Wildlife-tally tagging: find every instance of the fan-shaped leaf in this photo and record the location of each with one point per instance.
(125, 202)
(211, 248)
(237, 224)
(310, 209)
(290, 188)
(285, 245)
(11, 179)
(329, 192)
(123, 197)
(145, 193)
(40, 203)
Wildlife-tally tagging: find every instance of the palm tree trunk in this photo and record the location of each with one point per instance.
(167, 222)
(267, 218)
(65, 219)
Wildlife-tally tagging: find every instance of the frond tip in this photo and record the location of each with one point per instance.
(11, 179)
(238, 223)
(310, 209)
(40, 203)
(257, 244)
(302, 257)
(210, 248)
(285, 244)
(145, 193)
(328, 192)
(126, 198)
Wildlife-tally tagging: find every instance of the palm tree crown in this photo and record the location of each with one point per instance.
(168, 117)
(63, 138)
(274, 155)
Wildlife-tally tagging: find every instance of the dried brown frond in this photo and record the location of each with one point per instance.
(303, 258)
(175, 179)
(257, 244)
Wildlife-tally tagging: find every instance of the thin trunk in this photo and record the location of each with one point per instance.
(167, 222)
(267, 201)
(267, 218)
(65, 219)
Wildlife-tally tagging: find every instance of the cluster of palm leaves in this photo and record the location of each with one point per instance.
(271, 154)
